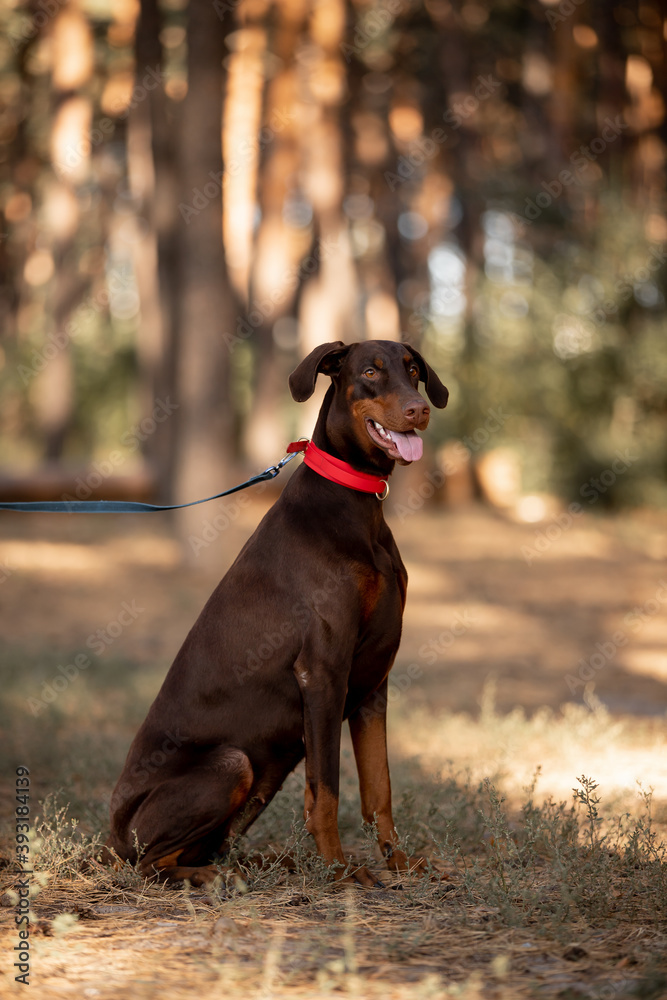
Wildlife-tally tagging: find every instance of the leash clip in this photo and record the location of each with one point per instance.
(273, 470)
(385, 492)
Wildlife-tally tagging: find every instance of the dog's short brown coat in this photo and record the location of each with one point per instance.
(299, 635)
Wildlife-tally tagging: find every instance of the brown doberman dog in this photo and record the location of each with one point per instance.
(299, 635)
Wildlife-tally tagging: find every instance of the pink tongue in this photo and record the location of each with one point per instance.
(410, 445)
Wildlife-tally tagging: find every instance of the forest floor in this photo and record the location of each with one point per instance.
(548, 875)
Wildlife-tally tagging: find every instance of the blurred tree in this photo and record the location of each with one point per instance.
(486, 179)
(207, 305)
(71, 71)
(153, 173)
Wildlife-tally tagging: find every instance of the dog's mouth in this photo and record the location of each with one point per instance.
(403, 446)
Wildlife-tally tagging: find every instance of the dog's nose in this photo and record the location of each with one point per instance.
(416, 411)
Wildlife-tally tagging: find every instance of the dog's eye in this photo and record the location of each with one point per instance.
(370, 373)
(413, 371)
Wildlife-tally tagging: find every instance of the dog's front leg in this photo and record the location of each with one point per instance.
(323, 703)
(368, 728)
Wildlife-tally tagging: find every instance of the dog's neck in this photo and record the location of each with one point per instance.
(343, 445)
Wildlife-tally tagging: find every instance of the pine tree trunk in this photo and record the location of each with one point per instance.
(208, 311)
(70, 159)
(153, 172)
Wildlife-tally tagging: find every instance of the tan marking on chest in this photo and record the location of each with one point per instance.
(371, 588)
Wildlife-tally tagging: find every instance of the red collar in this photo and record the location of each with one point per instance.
(338, 471)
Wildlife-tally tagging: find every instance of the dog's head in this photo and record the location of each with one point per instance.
(376, 404)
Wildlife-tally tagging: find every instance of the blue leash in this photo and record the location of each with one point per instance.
(133, 506)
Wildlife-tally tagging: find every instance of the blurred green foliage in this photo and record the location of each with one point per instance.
(577, 358)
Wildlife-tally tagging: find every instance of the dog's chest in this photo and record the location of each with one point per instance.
(381, 598)
(381, 594)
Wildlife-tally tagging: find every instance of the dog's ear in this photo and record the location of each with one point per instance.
(327, 358)
(435, 390)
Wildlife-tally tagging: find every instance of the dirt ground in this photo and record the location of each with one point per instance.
(524, 644)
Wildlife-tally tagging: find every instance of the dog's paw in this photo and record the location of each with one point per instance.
(360, 876)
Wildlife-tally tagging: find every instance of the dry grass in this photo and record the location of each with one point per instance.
(551, 899)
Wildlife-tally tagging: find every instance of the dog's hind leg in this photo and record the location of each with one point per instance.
(183, 819)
